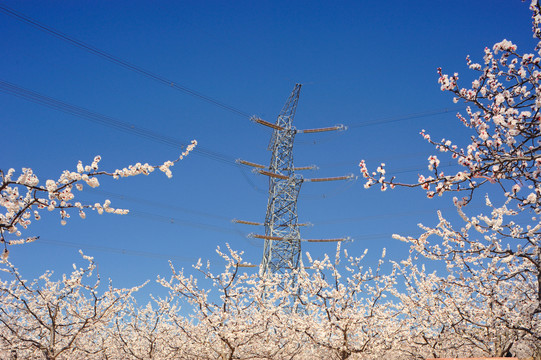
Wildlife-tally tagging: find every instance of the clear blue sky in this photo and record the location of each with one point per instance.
(359, 61)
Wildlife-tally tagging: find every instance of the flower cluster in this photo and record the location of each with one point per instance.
(485, 256)
(504, 115)
(345, 310)
(23, 198)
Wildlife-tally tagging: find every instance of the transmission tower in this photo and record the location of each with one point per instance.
(282, 249)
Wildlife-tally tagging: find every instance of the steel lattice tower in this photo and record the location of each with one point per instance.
(282, 249)
(281, 221)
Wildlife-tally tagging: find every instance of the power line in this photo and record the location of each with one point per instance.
(174, 207)
(220, 217)
(170, 83)
(174, 220)
(123, 63)
(388, 215)
(199, 225)
(123, 126)
(405, 117)
(177, 221)
(106, 120)
(194, 224)
(126, 127)
(385, 120)
(114, 250)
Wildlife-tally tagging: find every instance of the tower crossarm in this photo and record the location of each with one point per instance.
(279, 238)
(336, 178)
(300, 168)
(328, 240)
(245, 222)
(243, 265)
(267, 237)
(266, 123)
(339, 127)
(311, 167)
(236, 221)
(272, 174)
(249, 163)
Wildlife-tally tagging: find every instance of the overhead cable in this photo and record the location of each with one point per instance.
(106, 120)
(170, 83)
(114, 250)
(405, 117)
(116, 60)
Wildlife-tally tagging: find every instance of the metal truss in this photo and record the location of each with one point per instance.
(282, 249)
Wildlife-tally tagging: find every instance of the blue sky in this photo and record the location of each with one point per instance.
(370, 65)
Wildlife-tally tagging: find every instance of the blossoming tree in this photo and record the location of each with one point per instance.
(57, 319)
(504, 153)
(472, 312)
(347, 315)
(23, 199)
(233, 316)
(145, 333)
